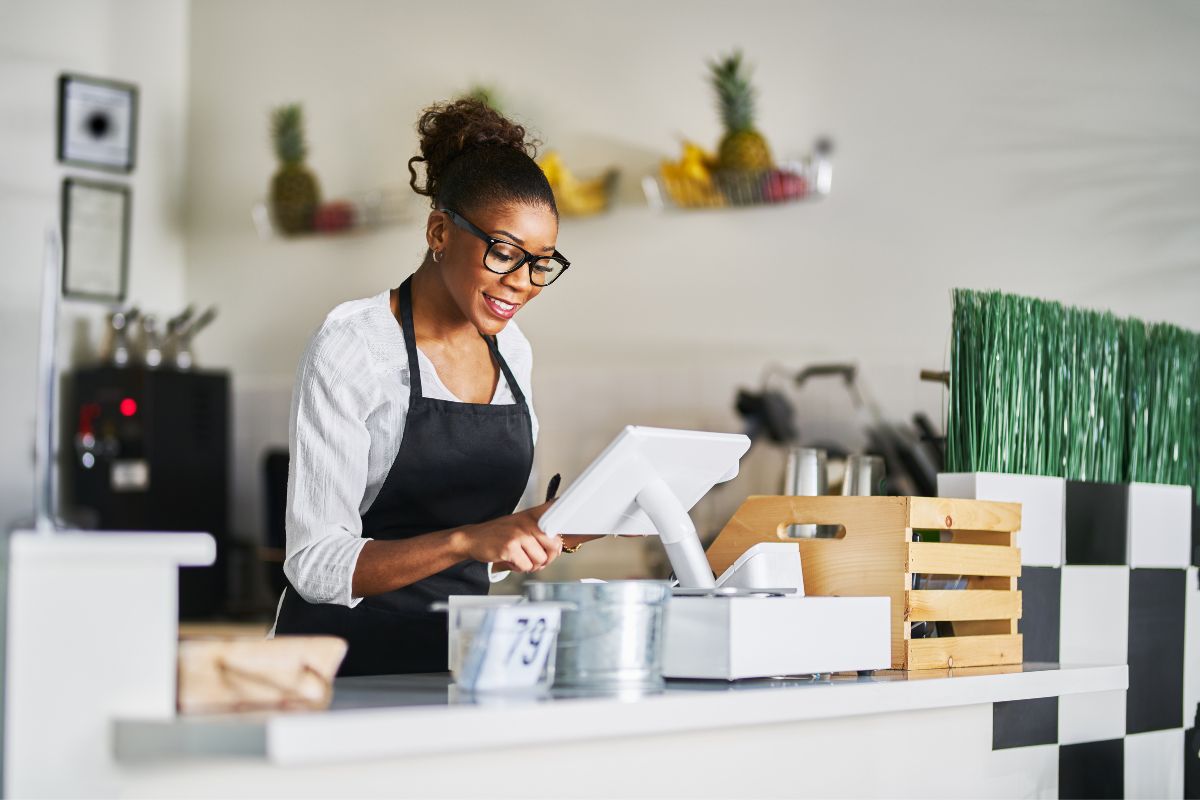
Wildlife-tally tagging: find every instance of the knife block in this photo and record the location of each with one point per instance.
(874, 555)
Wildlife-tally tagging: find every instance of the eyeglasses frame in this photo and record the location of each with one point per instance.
(479, 233)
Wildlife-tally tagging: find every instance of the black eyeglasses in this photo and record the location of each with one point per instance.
(503, 257)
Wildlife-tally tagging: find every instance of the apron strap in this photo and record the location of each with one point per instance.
(518, 395)
(404, 296)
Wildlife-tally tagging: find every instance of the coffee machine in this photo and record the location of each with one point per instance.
(148, 449)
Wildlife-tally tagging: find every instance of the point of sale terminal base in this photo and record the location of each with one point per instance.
(754, 619)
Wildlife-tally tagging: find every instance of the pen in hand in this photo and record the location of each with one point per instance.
(551, 491)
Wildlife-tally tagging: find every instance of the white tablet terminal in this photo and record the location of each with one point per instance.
(644, 483)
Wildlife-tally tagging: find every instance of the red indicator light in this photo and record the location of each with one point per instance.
(128, 407)
(87, 418)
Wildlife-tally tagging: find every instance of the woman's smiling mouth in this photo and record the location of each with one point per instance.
(499, 307)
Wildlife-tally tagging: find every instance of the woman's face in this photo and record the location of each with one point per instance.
(486, 299)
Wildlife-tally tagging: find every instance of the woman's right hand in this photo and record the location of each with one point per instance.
(514, 542)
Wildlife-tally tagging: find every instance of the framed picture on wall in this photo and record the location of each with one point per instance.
(95, 234)
(97, 123)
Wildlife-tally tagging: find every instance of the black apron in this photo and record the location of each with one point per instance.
(458, 464)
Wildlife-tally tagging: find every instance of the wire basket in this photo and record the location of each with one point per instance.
(791, 181)
(349, 213)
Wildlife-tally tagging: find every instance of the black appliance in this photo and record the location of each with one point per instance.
(149, 450)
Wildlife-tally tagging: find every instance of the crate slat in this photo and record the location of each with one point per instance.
(937, 558)
(944, 513)
(950, 605)
(964, 651)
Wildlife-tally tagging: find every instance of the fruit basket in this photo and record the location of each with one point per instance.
(688, 187)
(354, 212)
(295, 205)
(741, 172)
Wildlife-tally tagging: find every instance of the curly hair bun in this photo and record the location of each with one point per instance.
(474, 154)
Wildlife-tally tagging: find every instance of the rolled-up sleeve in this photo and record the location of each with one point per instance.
(329, 443)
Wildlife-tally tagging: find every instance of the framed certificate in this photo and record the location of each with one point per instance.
(95, 227)
(97, 123)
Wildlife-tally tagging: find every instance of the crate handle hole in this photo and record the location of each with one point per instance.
(792, 531)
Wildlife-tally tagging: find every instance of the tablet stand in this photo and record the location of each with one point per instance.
(678, 534)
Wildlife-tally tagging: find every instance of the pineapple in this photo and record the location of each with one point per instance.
(295, 194)
(486, 94)
(742, 147)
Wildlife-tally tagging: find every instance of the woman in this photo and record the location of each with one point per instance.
(412, 428)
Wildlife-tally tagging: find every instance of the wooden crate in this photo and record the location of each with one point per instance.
(875, 556)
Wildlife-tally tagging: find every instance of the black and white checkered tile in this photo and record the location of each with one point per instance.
(1109, 576)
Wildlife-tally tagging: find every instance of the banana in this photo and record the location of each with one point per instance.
(552, 166)
(575, 197)
(689, 181)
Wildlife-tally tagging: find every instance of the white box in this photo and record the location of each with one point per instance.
(1159, 533)
(1042, 500)
(760, 637)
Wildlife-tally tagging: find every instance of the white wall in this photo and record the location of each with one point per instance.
(142, 41)
(1050, 149)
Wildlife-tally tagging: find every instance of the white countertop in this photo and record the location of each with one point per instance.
(184, 549)
(405, 715)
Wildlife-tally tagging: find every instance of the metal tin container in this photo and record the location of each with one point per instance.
(611, 635)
